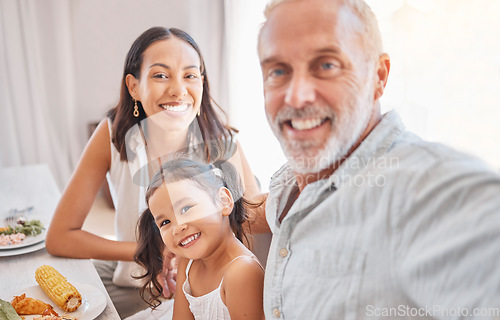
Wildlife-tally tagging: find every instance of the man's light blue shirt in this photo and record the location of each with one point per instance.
(404, 228)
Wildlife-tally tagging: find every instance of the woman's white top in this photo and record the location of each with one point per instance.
(129, 201)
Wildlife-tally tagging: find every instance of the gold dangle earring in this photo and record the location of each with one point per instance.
(136, 109)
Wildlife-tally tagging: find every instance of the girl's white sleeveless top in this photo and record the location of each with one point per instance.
(208, 306)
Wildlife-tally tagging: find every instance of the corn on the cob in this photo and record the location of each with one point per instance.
(63, 293)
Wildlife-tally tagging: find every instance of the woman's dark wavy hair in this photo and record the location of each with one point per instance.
(211, 127)
(150, 248)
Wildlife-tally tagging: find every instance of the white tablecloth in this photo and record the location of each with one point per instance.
(18, 272)
(23, 187)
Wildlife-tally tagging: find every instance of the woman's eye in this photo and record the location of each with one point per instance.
(185, 209)
(191, 76)
(164, 223)
(160, 76)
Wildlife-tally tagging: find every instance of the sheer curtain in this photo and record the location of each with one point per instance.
(61, 63)
(246, 100)
(36, 85)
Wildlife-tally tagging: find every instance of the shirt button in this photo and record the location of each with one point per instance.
(283, 252)
(277, 313)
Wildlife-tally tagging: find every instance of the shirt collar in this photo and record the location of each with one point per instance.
(377, 143)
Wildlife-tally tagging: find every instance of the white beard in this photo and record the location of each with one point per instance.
(306, 157)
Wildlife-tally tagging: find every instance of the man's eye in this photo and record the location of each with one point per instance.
(185, 209)
(164, 223)
(277, 73)
(328, 66)
(276, 76)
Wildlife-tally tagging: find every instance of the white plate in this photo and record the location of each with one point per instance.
(28, 249)
(93, 301)
(28, 241)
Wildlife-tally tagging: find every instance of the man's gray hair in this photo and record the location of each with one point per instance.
(372, 38)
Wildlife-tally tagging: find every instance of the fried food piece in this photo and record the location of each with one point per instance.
(54, 318)
(25, 305)
(63, 293)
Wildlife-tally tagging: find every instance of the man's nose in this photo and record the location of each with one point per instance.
(301, 90)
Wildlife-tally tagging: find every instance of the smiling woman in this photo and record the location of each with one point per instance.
(182, 79)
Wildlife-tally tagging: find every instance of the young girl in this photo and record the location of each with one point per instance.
(198, 211)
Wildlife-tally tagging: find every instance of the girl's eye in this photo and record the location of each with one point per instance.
(191, 76)
(185, 209)
(164, 223)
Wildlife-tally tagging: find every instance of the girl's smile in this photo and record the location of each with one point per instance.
(189, 240)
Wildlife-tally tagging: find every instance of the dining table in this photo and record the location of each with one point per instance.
(31, 192)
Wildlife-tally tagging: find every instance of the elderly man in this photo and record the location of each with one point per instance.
(368, 220)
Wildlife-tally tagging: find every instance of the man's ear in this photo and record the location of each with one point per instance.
(383, 68)
(132, 86)
(225, 198)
